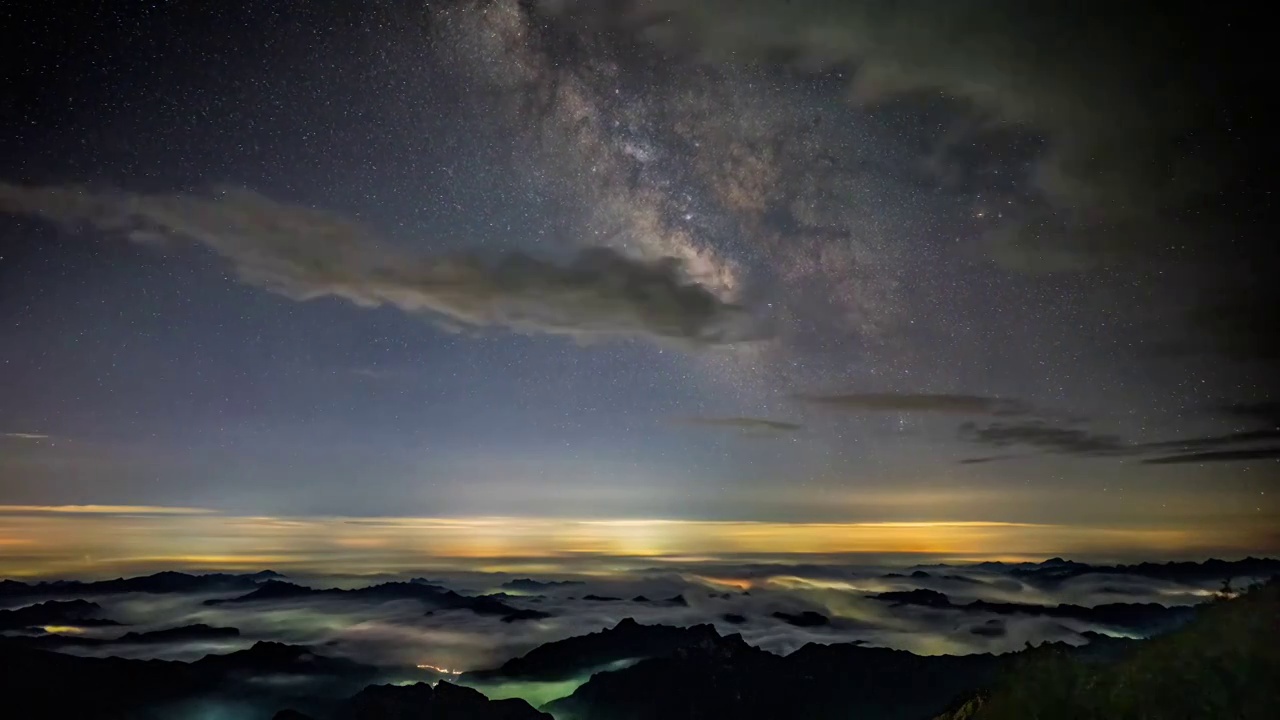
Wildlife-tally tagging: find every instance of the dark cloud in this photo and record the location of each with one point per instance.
(986, 459)
(1261, 453)
(745, 423)
(1039, 434)
(1044, 437)
(1216, 441)
(919, 402)
(304, 253)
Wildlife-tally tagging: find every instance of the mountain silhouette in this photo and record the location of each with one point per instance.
(79, 613)
(179, 634)
(421, 701)
(724, 677)
(278, 658)
(1056, 570)
(808, 618)
(1132, 616)
(185, 633)
(525, 615)
(159, 583)
(435, 597)
(43, 684)
(628, 640)
(531, 585)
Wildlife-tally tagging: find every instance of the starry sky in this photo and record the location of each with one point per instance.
(633, 277)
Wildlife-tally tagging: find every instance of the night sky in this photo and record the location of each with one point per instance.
(391, 283)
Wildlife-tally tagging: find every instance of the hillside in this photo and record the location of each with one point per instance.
(1223, 664)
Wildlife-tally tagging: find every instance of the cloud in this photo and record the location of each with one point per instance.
(1044, 437)
(398, 633)
(303, 253)
(1261, 453)
(25, 436)
(1213, 442)
(1039, 435)
(104, 509)
(919, 402)
(745, 423)
(985, 459)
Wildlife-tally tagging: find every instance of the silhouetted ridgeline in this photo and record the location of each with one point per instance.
(1145, 617)
(54, 612)
(433, 596)
(714, 676)
(1056, 570)
(628, 640)
(184, 633)
(161, 582)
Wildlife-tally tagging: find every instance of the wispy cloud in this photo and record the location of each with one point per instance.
(1039, 435)
(1043, 437)
(957, 404)
(749, 424)
(304, 253)
(1260, 453)
(103, 510)
(986, 459)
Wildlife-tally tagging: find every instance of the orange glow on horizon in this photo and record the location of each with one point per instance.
(57, 542)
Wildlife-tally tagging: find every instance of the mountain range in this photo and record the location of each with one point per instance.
(1224, 655)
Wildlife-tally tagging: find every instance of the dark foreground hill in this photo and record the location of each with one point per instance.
(1223, 664)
